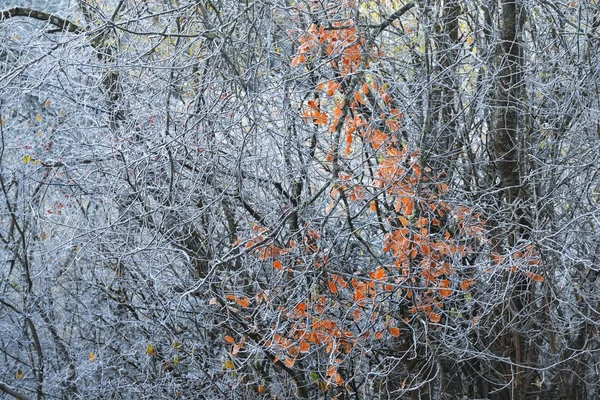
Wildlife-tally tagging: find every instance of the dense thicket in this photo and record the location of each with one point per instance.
(315, 199)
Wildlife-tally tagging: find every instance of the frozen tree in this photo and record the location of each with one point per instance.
(314, 199)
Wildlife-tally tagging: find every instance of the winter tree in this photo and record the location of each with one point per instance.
(299, 199)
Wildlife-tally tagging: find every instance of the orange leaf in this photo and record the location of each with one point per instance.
(358, 97)
(379, 274)
(435, 317)
(304, 346)
(445, 291)
(535, 277)
(293, 350)
(314, 104)
(426, 249)
(349, 139)
(408, 205)
(299, 59)
(321, 118)
(395, 332)
(229, 339)
(378, 138)
(289, 362)
(464, 285)
(236, 349)
(332, 287)
(332, 86)
(373, 205)
(277, 264)
(417, 169)
(331, 370)
(243, 302)
(497, 258)
(365, 88)
(301, 310)
(329, 347)
(360, 292)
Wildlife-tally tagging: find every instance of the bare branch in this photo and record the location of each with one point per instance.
(10, 391)
(63, 24)
(390, 20)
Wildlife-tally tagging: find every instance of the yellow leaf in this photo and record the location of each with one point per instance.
(92, 357)
(38, 118)
(228, 365)
(26, 158)
(19, 374)
(150, 350)
(47, 103)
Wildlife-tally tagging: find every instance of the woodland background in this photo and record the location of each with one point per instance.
(299, 199)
